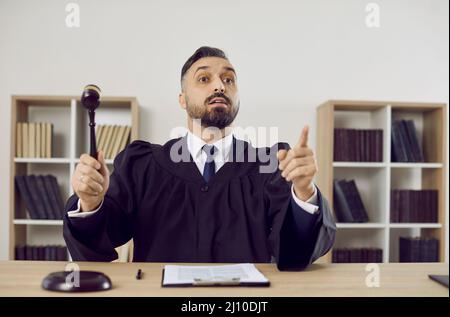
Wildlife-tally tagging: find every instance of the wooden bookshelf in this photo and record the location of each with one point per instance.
(376, 179)
(70, 140)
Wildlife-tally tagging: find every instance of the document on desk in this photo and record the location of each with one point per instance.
(215, 275)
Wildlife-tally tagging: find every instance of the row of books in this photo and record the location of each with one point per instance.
(112, 139)
(41, 196)
(356, 145)
(416, 249)
(357, 255)
(405, 144)
(34, 139)
(348, 205)
(41, 252)
(414, 206)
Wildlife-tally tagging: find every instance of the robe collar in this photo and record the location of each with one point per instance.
(184, 165)
(223, 146)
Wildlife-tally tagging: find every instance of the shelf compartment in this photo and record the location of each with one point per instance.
(54, 160)
(361, 238)
(38, 222)
(429, 124)
(343, 225)
(112, 112)
(371, 183)
(396, 233)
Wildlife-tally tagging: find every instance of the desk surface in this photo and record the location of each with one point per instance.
(23, 278)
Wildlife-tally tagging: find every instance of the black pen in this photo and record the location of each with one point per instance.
(139, 274)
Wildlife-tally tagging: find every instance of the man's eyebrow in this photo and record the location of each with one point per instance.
(230, 69)
(206, 67)
(201, 67)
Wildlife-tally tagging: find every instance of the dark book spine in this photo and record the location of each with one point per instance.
(412, 134)
(20, 252)
(346, 145)
(414, 194)
(422, 207)
(395, 205)
(416, 247)
(355, 256)
(334, 256)
(367, 145)
(342, 144)
(57, 194)
(362, 145)
(340, 256)
(406, 141)
(53, 253)
(52, 197)
(350, 196)
(371, 256)
(336, 146)
(347, 256)
(372, 146)
(423, 210)
(379, 255)
(434, 203)
(35, 194)
(398, 143)
(425, 253)
(402, 155)
(352, 144)
(29, 252)
(359, 209)
(405, 206)
(35, 253)
(341, 205)
(404, 249)
(44, 197)
(25, 195)
(357, 136)
(62, 254)
(394, 157)
(379, 146)
(41, 252)
(412, 155)
(430, 250)
(434, 250)
(47, 253)
(364, 255)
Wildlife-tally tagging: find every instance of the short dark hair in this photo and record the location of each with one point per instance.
(204, 51)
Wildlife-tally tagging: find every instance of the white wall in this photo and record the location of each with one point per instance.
(290, 56)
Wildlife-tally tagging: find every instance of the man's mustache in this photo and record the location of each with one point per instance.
(218, 95)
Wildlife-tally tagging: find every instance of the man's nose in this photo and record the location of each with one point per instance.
(219, 86)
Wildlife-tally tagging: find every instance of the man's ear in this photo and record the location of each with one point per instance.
(182, 100)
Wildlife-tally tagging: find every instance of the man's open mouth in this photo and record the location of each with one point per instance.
(219, 102)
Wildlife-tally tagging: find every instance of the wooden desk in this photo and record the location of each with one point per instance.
(23, 278)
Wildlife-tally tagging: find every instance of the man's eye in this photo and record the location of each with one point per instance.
(203, 79)
(229, 80)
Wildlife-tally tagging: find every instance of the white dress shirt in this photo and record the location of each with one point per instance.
(221, 156)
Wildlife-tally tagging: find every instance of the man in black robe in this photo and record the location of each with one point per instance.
(205, 197)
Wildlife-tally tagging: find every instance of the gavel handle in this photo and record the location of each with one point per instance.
(93, 143)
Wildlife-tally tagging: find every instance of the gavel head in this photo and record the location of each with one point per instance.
(90, 98)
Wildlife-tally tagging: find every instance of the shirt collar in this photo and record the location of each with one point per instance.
(195, 145)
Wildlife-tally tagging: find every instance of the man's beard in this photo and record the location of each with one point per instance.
(218, 117)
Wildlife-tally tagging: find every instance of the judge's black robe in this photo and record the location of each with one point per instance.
(172, 215)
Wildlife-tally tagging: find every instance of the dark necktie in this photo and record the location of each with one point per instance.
(210, 167)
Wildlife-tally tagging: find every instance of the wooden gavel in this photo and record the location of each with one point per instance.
(90, 99)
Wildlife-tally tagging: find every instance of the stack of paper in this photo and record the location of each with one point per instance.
(233, 274)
